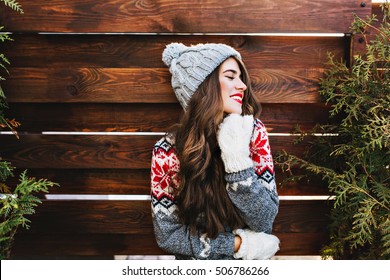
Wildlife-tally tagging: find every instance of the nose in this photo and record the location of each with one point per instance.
(241, 85)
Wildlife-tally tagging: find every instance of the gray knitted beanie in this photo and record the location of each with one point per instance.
(191, 65)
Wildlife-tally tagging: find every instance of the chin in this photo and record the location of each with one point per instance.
(237, 110)
(233, 108)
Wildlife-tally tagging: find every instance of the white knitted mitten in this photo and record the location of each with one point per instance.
(233, 137)
(256, 245)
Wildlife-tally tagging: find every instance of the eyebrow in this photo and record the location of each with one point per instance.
(230, 70)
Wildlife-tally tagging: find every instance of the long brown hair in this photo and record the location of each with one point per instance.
(202, 198)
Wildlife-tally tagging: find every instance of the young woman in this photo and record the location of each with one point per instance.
(212, 180)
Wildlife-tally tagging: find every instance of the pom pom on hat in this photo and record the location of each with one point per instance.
(191, 65)
(172, 51)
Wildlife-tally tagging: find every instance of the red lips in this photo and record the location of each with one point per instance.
(237, 97)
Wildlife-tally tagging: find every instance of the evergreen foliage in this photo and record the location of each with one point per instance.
(353, 156)
(14, 5)
(16, 204)
(4, 36)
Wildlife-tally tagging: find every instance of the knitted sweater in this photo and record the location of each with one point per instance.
(252, 191)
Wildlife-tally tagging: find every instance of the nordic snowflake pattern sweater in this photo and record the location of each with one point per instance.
(253, 192)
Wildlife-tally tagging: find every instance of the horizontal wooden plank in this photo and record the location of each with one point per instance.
(113, 227)
(134, 217)
(89, 85)
(137, 182)
(87, 117)
(117, 85)
(144, 51)
(83, 246)
(92, 181)
(97, 151)
(75, 151)
(106, 246)
(298, 244)
(184, 16)
(37, 117)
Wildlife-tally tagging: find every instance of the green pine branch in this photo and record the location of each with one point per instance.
(355, 161)
(13, 5)
(16, 206)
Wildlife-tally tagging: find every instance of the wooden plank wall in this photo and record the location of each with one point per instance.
(92, 66)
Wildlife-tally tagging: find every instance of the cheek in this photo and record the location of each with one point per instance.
(226, 100)
(223, 88)
(224, 92)
(225, 97)
(230, 106)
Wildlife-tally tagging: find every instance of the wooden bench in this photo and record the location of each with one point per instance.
(111, 90)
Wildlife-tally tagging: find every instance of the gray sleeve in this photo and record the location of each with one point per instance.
(173, 237)
(257, 203)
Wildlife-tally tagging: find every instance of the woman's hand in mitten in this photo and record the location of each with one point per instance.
(256, 245)
(233, 138)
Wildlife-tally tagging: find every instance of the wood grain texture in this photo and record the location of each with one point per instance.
(134, 217)
(93, 181)
(67, 231)
(114, 69)
(114, 85)
(83, 246)
(122, 117)
(144, 51)
(184, 16)
(137, 182)
(74, 151)
(126, 85)
(106, 246)
(96, 151)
